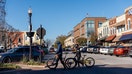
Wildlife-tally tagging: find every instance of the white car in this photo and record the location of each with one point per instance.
(104, 50)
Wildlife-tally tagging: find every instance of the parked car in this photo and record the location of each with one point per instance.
(1, 50)
(38, 49)
(73, 50)
(83, 49)
(121, 51)
(17, 54)
(67, 49)
(96, 49)
(104, 50)
(111, 50)
(43, 50)
(90, 49)
(130, 51)
(51, 49)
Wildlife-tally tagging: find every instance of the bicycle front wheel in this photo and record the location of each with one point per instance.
(51, 63)
(70, 63)
(89, 62)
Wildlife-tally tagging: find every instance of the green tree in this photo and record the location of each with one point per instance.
(81, 41)
(93, 38)
(61, 39)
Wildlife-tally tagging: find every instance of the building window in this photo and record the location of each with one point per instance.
(90, 24)
(89, 27)
(107, 30)
(99, 24)
(19, 40)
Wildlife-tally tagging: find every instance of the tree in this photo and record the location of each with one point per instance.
(81, 41)
(61, 39)
(93, 38)
(48, 42)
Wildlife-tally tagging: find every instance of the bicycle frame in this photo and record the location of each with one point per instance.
(81, 61)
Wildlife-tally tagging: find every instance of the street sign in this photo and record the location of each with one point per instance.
(41, 32)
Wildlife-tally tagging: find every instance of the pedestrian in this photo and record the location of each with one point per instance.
(59, 53)
(78, 54)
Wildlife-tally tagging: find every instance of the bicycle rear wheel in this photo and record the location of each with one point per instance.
(89, 62)
(70, 63)
(51, 63)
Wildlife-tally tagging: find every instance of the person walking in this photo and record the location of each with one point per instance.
(59, 53)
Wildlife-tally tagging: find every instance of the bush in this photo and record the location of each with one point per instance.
(25, 60)
(32, 62)
(9, 66)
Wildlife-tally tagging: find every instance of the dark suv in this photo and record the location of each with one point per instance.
(17, 54)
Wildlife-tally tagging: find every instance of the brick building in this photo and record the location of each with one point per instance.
(87, 26)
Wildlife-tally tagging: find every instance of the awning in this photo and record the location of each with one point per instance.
(116, 39)
(110, 38)
(126, 37)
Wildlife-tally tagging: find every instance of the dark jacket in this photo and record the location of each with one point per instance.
(59, 49)
(78, 52)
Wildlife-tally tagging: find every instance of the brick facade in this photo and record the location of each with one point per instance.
(80, 29)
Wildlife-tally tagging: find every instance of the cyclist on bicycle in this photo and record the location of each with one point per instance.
(78, 53)
(59, 54)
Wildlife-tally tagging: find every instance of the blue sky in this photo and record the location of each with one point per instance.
(59, 17)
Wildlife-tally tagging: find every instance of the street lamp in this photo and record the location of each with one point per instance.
(30, 15)
(30, 33)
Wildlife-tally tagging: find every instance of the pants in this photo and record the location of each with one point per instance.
(62, 62)
(78, 59)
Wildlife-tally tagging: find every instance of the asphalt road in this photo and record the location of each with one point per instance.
(104, 64)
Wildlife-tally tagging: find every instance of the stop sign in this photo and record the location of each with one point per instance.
(41, 32)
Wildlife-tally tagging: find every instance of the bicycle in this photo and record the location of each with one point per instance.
(52, 64)
(88, 62)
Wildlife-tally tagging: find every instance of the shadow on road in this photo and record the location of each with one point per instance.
(98, 69)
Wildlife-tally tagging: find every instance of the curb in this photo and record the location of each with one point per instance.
(31, 66)
(26, 67)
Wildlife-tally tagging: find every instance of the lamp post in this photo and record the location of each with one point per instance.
(30, 15)
(30, 33)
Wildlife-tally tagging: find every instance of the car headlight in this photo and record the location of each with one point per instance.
(0, 56)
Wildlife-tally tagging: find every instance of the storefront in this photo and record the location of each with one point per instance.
(109, 40)
(126, 39)
(101, 41)
(116, 40)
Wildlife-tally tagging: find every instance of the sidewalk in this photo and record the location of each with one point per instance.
(33, 67)
(25, 68)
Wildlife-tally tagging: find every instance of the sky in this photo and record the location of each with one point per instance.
(58, 17)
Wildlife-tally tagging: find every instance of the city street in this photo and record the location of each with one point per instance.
(104, 64)
(32, 31)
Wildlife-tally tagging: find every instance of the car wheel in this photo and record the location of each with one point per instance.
(117, 55)
(130, 56)
(7, 60)
(110, 54)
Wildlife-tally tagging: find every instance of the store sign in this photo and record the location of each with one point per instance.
(130, 11)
